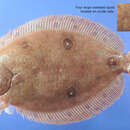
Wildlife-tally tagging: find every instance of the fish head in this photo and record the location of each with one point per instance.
(5, 79)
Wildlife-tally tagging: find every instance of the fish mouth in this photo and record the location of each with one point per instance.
(5, 79)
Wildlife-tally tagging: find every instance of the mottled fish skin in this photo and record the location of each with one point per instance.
(45, 69)
(53, 71)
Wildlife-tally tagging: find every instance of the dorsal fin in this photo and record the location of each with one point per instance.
(91, 107)
(67, 23)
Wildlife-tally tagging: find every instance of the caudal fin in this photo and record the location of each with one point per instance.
(126, 63)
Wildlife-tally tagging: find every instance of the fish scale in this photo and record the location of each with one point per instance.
(63, 69)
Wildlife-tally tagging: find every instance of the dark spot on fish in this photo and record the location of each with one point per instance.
(112, 61)
(98, 77)
(71, 92)
(24, 45)
(67, 43)
(35, 70)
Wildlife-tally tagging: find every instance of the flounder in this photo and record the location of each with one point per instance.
(61, 69)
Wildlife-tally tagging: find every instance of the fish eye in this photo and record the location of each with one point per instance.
(71, 92)
(5, 79)
(112, 61)
(67, 43)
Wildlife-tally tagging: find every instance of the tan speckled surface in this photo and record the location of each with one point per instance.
(77, 65)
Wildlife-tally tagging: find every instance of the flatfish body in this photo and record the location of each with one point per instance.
(61, 69)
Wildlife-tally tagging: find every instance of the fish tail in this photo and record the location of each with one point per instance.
(126, 63)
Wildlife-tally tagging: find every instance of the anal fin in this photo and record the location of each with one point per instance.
(93, 106)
